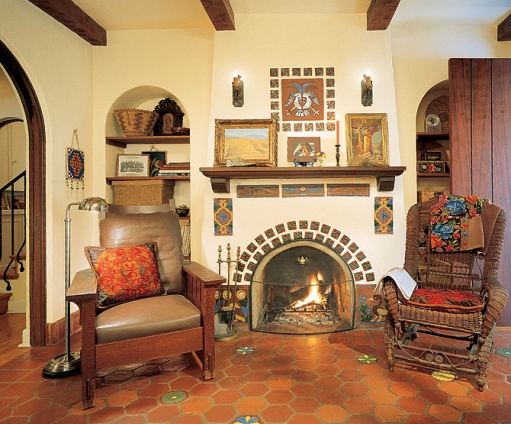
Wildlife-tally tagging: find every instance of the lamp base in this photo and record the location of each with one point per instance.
(62, 365)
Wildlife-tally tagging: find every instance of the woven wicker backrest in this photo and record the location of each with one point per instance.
(452, 270)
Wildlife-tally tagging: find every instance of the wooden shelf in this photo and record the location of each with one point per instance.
(176, 178)
(433, 174)
(149, 139)
(432, 136)
(221, 176)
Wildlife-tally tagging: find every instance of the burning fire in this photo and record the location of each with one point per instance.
(313, 296)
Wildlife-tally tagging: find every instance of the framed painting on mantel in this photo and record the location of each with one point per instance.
(367, 139)
(241, 142)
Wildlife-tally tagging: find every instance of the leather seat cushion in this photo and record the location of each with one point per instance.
(146, 317)
(139, 228)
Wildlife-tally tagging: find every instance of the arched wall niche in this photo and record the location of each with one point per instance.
(436, 92)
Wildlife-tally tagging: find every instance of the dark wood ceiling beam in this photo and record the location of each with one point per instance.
(221, 14)
(74, 18)
(380, 14)
(504, 30)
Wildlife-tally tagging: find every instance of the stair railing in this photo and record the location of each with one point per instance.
(6, 192)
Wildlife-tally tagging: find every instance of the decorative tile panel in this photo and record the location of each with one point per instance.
(362, 190)
(303, 190)
(383, 215)
(257, 191)
(222, 217)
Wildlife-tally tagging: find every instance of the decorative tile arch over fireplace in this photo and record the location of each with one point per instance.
(353, 268)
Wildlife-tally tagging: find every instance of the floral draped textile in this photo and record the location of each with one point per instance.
(455, 224)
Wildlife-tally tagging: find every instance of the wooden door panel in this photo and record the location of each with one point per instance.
(460, 73)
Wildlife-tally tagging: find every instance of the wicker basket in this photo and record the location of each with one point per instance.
(144, 192)
(136, 121)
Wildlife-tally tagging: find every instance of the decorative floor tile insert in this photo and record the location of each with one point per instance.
(367, 359)
(504, 352)
(174, 397)
(245, 350)
(247, 419)
(368, 306)
(223, 219)
(383, 215)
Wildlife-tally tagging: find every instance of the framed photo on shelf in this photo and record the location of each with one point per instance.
(132, 165)
(157, 159)
(303, 149)
(367, 139)
(249, 141)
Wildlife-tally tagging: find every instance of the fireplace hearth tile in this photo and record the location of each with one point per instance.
(280, 228)
(297, 235)
(339, 249)
(251, 266)
(347, 256)
(320, 238)
(359, 276)
(245, 256)
(269, 233)
(309, 235)
(258, 256)
(304, 225)
(266, 248)
(276, 242)
(345, 240)
(336, 233)
(367, 306)
(329, 242)
(247, 277)
(286, 238)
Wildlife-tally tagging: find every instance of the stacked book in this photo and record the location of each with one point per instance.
(175, 169)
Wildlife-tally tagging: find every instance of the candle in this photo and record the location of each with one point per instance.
(367, 77)
(235, 79)
(336, 132)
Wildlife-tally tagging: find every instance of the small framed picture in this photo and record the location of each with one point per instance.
(157, 160)
(251, 140)
(133, 165)
(367, 139)
(303, 149)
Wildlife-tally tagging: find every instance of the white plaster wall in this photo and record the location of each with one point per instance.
(59, 66)
(261, 42)
(140, 68)
(420, 56)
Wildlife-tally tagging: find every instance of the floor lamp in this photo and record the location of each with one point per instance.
(69, 362)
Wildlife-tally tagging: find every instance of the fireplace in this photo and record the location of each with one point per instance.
(302, 288)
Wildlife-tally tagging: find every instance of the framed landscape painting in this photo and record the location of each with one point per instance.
(367, 139)
(245, 142)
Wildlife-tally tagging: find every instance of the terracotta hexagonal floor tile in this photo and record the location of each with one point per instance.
(257, 376)
(382, 396)
(328, 382)
(354, 389)
(226, 397)
(304, 389)
(254, 389)
(305, 405)
(195, 405)
(377, 382)
(280, 382)
(420, 419)
(351, 376)
(454, 388)
(332, 413)
(412, 404)
(404, 389)
(304, 419)
(466, 404)
(162, 413)
(501, 413)
(445, 413)
(122, 398)
(478, 419)
(275, 397)
(433, 396)
(221, 414)
(388, 413)
(277, 414)
(251, 405)
(359, 405)
(330, 397)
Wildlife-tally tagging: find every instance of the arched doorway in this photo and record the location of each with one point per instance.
(36, 224)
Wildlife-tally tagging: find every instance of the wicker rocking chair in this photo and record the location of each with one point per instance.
(457, 332)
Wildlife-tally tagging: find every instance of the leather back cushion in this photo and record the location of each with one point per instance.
(160, 227)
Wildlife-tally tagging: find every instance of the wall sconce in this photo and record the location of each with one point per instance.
(237, 90)
(367, 89)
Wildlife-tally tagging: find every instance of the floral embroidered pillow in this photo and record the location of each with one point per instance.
(125, 273)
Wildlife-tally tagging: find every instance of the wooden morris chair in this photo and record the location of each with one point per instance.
(128, 316)
(453, 249)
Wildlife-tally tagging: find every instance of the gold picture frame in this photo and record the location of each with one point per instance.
(367, 139)
(303, 149)
(246, 141)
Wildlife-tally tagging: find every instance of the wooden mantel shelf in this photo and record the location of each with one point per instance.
(221, 176)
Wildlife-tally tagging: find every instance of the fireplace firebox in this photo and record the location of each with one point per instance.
(302, 288)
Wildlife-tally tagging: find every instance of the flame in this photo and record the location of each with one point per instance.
(313, 296)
